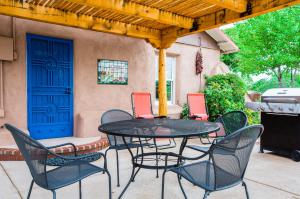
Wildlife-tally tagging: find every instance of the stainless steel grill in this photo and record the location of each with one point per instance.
(278, 100)
(280, 115)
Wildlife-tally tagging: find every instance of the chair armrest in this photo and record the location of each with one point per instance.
(219, 117)
(194, 117)
(181, 157)
(73, 158)
(161, 117)
(64, 144)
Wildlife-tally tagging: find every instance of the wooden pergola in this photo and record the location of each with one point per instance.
(159, 22)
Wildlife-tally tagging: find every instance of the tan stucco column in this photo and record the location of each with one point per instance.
(162, 84)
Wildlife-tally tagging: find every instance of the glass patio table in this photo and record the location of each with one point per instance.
(144, 129)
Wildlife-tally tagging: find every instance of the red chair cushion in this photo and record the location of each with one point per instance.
(197, 106)
(220, 133)
(142, 105)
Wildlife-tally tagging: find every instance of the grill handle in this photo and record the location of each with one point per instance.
(280, 100)
(283, 114)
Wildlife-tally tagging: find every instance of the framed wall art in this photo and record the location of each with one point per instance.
(112, 72)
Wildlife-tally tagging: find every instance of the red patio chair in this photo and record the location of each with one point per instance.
(142, 105)
(142, 109)
(198, 111)
(197, 106)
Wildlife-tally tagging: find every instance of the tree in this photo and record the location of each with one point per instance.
(268, 44)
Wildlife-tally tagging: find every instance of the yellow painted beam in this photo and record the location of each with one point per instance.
(55, 16)
(235, 5)
(227, 16)
(162, 83)
(129, 8)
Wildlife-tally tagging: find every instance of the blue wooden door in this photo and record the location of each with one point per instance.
(49, 87)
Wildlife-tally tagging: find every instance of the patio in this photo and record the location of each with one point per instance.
(267, 176)
(47, 88)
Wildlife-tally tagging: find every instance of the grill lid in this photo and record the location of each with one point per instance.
(281, 95)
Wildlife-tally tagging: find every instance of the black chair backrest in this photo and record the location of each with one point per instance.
(115, 115)
(230, 155)
(34, 153)
(233, 121)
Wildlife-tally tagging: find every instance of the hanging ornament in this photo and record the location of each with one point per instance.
(199, 63)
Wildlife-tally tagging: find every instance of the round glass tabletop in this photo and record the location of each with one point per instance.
(159, 128)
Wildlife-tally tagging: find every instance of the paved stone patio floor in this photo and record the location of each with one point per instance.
(268, 177)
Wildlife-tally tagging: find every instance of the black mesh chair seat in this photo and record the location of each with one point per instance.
(69, 173)
(226, 165)
(90, 157)
(202, 174)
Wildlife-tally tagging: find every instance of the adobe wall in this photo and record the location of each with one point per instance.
(90, 98)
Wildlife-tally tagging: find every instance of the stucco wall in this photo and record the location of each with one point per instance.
(90, 98)
(186, 79)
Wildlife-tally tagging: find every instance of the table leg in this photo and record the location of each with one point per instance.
(182, 146)
(133, 169)
(133, 173)
(142, 160)
(134, 161)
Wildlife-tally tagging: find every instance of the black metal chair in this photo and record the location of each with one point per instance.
(229, 123)
(226, 165)
(36, 156)
(116, 142)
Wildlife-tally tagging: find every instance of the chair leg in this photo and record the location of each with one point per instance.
(174, 142)
(105, 160)
(80, 193)
(181, 187)
(54, 194)
(109, 184)
(206, 194)
(208, 141)
(30, 189)
(163, 185)
(118, 174)
(156, 152)
(246, 189)
(157, 176)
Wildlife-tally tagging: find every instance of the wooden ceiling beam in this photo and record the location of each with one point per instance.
(227, 16)
(129, 8)
(56, 16)
(234, 5)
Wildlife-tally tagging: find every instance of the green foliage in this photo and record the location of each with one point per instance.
(264, 84)
(224, 93)
(185, 112)
(231, 60)
(253, 117)
(268, 44)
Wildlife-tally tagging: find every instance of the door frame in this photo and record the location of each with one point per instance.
(29, 36)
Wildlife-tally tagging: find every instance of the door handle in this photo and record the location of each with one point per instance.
(68, 91)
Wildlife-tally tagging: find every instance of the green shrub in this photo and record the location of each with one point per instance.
(185, 112)
(253, 117)
(224, 93)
